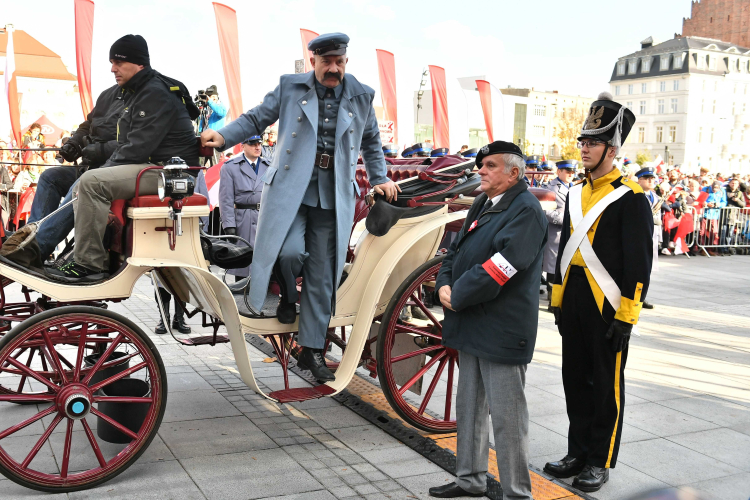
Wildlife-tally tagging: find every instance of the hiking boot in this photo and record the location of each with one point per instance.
(160, 328)
(72, 272)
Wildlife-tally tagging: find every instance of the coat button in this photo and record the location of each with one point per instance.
(350, 115)
(522, 343)
(304, 102)
(352, 148)
(352, 164)
(351, 131)
(299, 118)
(294, 134)
(286, 167)
(328, 107)
(325, 133)
(288, 151)
(326, 120)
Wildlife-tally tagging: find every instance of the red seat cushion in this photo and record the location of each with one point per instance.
(150, 201)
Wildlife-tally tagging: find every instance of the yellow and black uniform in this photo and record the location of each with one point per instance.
(593, 373)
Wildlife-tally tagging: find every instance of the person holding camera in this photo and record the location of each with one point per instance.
(217, 111)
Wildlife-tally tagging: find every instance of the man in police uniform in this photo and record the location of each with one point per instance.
(239, 194)
(326, 119)
(647, 180)
(601, 279)
(566, 171)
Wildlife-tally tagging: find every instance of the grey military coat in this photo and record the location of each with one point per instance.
(554, 227)
(240, 184)
(294, 103)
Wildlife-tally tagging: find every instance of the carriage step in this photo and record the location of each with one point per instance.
(203, 340)
(301, 394)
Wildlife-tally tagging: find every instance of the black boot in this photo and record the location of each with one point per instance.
(178, 323)
(591, 479)
(313, 360)
(451, 490)
(160, 328)
(647, 305)
(166, 298)
(567, 467)
(286, 312)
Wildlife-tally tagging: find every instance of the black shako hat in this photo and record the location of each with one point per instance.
(329, 44)
(608, 121)
(131, 48)
(498, 147)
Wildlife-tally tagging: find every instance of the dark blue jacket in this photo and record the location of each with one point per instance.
(493, 269)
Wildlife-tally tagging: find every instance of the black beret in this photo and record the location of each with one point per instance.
(132, 49)
(498, 147)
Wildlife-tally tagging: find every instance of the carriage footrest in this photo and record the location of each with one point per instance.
(203, 340)
(301, 393)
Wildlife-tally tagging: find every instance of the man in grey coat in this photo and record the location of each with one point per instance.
(488, 285)
(566, 172)
(326, 120)
(239, 194)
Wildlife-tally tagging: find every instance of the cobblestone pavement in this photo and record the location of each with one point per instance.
(687, 417)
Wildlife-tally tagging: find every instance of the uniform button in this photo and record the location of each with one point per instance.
(325, 133)
(286, 167)
(288, 151)
(352, 148)
(294, 134)
(328, 95)
(522, 343)
(304, 102)
(299, 118)
(352, 164)
(325, 144)
(328, 107)
(350, 114)
(351, 131)
(326, 120)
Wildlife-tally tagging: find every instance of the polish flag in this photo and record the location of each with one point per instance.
(213, 180)
(11, 91)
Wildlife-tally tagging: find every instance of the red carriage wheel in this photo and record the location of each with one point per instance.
(71, 362)
(411, 359)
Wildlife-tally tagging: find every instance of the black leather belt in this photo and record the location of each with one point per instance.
(245, 206)
(323, 160)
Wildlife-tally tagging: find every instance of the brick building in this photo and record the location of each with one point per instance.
(725, 20)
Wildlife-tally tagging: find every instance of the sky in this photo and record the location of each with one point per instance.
(545, 44)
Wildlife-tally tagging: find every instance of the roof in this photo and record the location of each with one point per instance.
(689, 44)
(33, 59)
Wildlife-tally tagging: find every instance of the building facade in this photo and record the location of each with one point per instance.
(691, 99)
(727, 20)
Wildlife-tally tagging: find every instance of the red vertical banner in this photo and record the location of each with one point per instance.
(229, 46)
(307, 37)
(485, 97)
(84, 11)
(387, 72)
(11, 90)
(440, 133)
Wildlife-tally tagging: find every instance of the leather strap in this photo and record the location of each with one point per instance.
(245, 206)
(323, 160)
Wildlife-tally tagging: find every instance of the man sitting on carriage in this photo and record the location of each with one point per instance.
(326, 119)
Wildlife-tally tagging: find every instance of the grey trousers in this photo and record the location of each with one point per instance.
(96, 190)
(485, 387)
(309, 250)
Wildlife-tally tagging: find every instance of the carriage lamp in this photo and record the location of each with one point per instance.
(176, 184)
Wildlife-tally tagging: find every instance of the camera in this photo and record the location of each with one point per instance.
(201, 96)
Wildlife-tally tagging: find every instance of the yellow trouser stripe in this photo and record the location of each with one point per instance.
(617, 401)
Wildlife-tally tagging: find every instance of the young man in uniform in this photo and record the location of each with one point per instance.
(566, 172)
(601, 279)
(647, 180)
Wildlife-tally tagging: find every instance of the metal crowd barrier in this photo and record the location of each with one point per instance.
(725, 229)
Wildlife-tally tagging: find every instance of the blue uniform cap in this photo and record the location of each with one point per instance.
(646, 172)
(253, 139)
(406, 153)
(390, 148)
(421, 147)
(329, 44)
(569, 164)
(439, 152)
(532, 160)
(470, 153)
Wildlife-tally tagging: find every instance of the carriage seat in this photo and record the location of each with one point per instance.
(152, 201)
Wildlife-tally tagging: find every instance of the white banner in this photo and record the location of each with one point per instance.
(386, 131)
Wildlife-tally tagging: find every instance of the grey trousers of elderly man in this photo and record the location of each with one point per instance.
(96, 190)
(484, 387)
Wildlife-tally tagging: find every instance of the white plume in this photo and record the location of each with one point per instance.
(604, 96)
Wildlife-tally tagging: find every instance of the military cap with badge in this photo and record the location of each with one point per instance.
(646, 172)
(253, 139)
(329, 44)
(497, 147)
(437, 152)
(469, 153)
(608, 122)
(390, 150)
(567, 164)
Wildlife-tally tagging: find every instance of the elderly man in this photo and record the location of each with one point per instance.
(488, 285)
(326, 119)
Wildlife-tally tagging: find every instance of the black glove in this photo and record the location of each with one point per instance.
(94, 153)
(556, 311)
(619, 334)
(230, 231)
(70, 151)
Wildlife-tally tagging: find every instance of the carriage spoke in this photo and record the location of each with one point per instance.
(418, 352)
(80, 353)
(115, 378)
(16, 356)
(54, 358)
(94, 444)
(424, 309)
(103, 357)
(420, 373)
(10, 430)
(27, 398)
(122, 399)
(42, 440)
(23, 377)
(117, 425)
(31, 373)
(449, 392)
(433, 384)
(66, 449)
(401, 328)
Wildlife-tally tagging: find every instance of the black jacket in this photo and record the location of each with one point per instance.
(154, 126)
(100, 127)
(496, 321)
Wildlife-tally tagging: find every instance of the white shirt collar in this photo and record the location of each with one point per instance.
(248, 159)
(496, 199)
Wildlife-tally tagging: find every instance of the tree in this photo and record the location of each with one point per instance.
(569, 125)
(642, 157)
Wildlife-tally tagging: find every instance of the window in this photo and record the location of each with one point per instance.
(632, 67)
(646, 65)
(540, 110)
(714, 107)
(700, 134)
(664, 62)
(629, 105)
(641, 134)
(677, 64)
(662, 86)
(712, 64)
(539, 130)
(703, 105)
(673, 106)
(630, 89)
(659, 134)
(617, 90)
(644, 88)
(676, 85)
(642, 110)
(712, 135)
(672, 133)
(621, 68)
(660, 106)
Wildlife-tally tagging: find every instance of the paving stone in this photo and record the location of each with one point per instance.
(662, 421)
(387, 485)
(729, 446)
(366, 437)
(195, 405)
(419, 486)
(216, 436)
(365, 488)
(736, 487)
(308, 495)
(335, 418)
(400, 462)
(343, 492)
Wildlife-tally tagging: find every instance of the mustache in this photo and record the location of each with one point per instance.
(337, 76)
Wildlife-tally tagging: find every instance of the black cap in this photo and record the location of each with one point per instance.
(470, 153)
(646, 171)
(212, 90)
(329, 44)
(406, 153)
(569, 164)
(498, 147)
(439, 152)
(608, 121)
(131, 48)
(533, 160)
